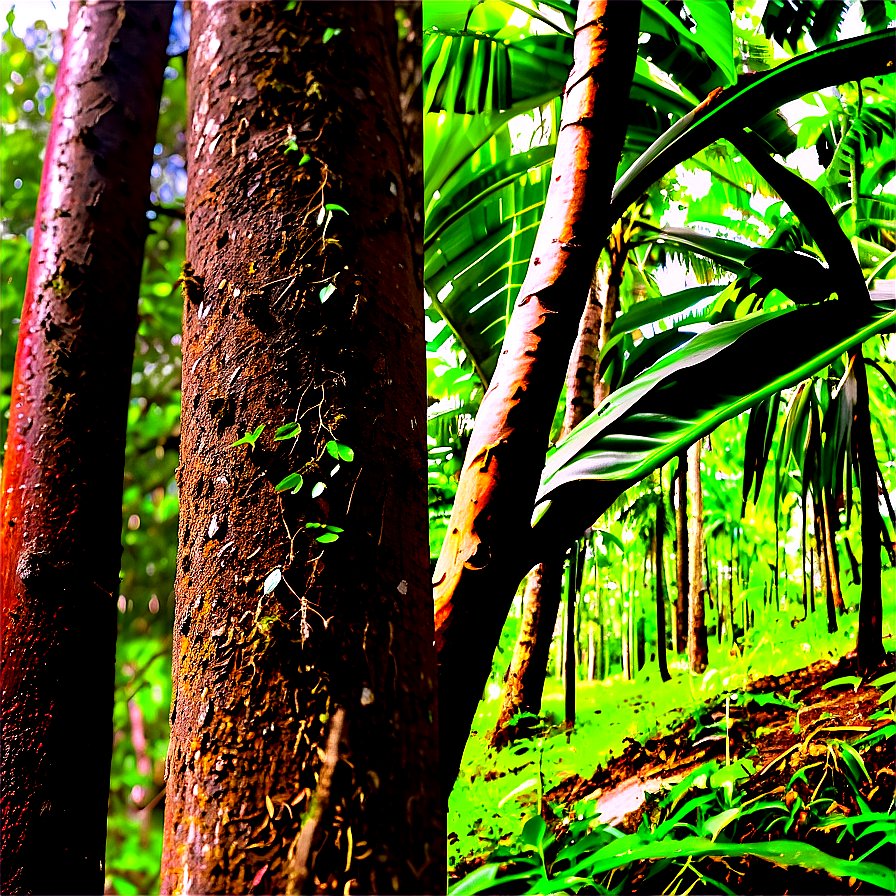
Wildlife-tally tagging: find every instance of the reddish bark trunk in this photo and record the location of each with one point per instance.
(62, 474)
(304, 748)
(484, 554)
(660, 586)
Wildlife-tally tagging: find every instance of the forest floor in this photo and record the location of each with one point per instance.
(814, 747)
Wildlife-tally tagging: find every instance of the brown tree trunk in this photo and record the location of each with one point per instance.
(541, 603)
(618, 252)
(525, 683)
(484, 554)
(824, 566)
(681, 554)
(831, 551)
(569, 667)
(660, 588)
(304, 749)
(869, 645)
(698, 653)
(63, 469)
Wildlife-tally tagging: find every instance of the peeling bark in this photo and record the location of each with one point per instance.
(62, 475)
(484, 554)
(309, 697)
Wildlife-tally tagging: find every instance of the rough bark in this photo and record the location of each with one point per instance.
(869, 644)
(618, 252)
(681, 554)
(64, 460)
(312, 697)
(582, 363)
(484, 554)
(698, 655)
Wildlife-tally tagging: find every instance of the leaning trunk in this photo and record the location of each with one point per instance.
(698, 653)
(660, 586)
(869, 646)
(304, 750)
(65, 450)
(525, 683)
(486, 548)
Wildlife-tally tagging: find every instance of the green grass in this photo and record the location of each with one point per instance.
(497, 791)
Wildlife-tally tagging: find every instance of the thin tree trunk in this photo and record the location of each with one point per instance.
(304, 747)
(485, 550)
(831, 550)
(580, 394)
(522, 693)
(825, 566)
(869, 645)
(618, 252)
(853, 563)
(681, 554)
(62, 476)
(698, 654)
(660, 590)
(569, 679)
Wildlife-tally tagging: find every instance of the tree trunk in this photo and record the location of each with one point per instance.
(824, 566)
(571, 640)
(660, 590)
(62, 476)
(522, 694)
(831, 550)
(484, 554)
(869, 645)
(681, 554)
(698, 654)
(304, 750)
(525, 684)
(618, 251)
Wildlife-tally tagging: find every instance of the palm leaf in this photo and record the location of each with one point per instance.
(685, 395)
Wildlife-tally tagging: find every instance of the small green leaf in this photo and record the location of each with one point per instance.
(326, 292)
(334, 529)
(853, 680)
(315, 526)
(272, 581)
(330, 33)
(250, 438)
(327, 538)
(287, 431)
(340, 450)
(293, 481)
(305, 159)
(318, 489)
(290, 145)
(332, 207)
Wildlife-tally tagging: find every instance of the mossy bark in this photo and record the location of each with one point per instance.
(62, 476)
(304, 749)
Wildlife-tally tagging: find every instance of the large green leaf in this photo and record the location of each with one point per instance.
(718, 374)
(851, 60)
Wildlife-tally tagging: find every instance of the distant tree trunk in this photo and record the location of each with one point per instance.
(62, 476)
(869, 646)
(522, 694)
(660, 589)
(831, 549)
(618, 252)
(698, 652)
(681, 554)
(824, 566)
(304, 747)
(571, 640)
(481, 560)
(853, 563)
